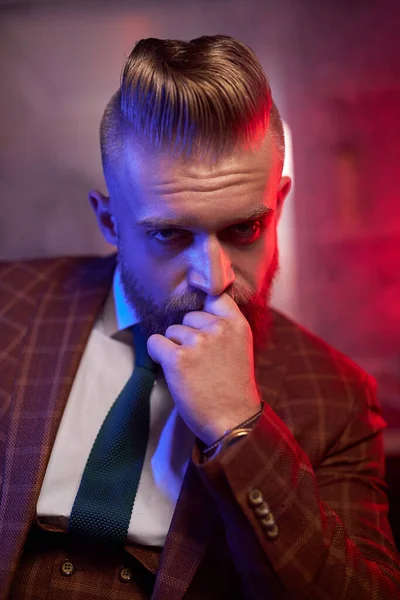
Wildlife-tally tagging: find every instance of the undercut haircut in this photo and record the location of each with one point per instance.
(192, 99)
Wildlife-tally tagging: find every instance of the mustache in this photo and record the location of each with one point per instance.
(195, 300)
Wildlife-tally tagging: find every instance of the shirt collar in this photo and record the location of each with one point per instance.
(125, 313)
(118, 315)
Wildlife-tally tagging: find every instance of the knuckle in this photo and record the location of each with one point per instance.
(218, 327)
(179, 357)
(200, 338)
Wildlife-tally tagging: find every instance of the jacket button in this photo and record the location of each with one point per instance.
(125, 574)
(268, 522)
(272, 533)
(255, 498)
(67, 568)
(262, 510)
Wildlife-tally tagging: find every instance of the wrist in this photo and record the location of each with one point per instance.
(229, 420)
(231, 437)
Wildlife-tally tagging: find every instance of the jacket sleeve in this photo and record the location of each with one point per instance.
(333, 538)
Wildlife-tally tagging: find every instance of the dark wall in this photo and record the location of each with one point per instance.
(335, 72)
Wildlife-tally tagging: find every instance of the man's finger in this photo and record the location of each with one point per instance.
(159, 348)
(197, 319)
(222, 306)
(180, 334)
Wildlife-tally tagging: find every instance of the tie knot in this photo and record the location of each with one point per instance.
(142, 357)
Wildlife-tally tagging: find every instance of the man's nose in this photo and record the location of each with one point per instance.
(211, 270)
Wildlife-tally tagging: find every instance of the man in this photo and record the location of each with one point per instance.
(261, 475)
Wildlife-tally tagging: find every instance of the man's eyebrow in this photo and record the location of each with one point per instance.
(185, 222)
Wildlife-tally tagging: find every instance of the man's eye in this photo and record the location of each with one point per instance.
(246, 227)
(242, 233)
(165, 236)
(246, 233)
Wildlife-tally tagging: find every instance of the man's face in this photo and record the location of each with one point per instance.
(187, 229)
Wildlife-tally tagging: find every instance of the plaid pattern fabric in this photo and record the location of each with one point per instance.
(95, 573)
(47, 310)
(315, 454)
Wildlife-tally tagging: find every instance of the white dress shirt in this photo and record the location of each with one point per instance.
(106, 366)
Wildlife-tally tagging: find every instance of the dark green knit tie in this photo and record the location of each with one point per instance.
(103, 505)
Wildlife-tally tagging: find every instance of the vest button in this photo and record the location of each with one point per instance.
(67, 568)
(125, 574)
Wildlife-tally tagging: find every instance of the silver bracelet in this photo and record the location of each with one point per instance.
(230, 437)
(227, 441)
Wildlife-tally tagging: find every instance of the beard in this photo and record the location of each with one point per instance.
(156, 318)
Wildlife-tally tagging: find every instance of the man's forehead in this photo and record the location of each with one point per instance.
(145, 166)
(161, 191)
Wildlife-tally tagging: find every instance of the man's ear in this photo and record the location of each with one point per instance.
(284, 187)
(106, 220)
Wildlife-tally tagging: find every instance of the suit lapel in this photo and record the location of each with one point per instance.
(51, 351)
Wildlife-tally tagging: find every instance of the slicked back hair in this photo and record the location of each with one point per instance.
(192, 99)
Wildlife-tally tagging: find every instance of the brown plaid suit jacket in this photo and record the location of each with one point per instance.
(315, 454)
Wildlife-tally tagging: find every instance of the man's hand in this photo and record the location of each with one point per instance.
(209, 367)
